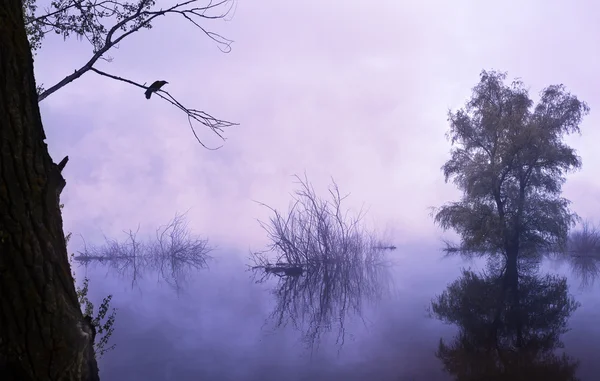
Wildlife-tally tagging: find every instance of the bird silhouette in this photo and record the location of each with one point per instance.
(155, 86)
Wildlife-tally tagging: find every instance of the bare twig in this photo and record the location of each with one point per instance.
(172, 254)
(105, 23)
(214, 124)
(129, 18)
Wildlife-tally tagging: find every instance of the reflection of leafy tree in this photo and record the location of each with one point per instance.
(319, 300)
(172, 255)
(510, 326)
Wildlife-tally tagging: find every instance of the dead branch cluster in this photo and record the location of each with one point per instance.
(582, 254)
(584, 241)
(326, 261)
(317, 232)
(172, 254)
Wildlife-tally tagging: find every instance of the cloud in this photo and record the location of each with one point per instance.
(358, 92)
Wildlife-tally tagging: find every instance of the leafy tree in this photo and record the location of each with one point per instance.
(509, 327)
(510, 161)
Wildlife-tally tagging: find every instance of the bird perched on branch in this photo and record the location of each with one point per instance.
(154, 87)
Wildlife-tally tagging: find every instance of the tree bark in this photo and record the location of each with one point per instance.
(42, 332)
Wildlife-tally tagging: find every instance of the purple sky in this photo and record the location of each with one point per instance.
(352, 89)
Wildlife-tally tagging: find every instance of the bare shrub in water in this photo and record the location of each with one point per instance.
(585, 241)
(582, 253)
(316, 231)
(173, 252)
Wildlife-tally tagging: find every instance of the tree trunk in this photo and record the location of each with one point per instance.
(42, 332)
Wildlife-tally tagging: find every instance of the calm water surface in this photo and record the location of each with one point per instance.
(220, 324)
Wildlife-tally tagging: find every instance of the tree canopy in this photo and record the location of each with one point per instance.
(510, 160)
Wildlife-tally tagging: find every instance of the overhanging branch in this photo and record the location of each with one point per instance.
(215, 125)
(131, 18)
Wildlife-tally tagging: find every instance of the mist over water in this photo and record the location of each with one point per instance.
(222, 325)
(359, 93)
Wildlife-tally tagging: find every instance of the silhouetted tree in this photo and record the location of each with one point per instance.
(43, 334)
(510, 161)
(509, 327)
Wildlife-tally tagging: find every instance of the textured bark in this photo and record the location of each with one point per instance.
(42, 332)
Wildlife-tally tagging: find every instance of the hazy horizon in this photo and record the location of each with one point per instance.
(358, 93)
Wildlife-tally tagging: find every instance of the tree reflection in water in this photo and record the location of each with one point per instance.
(320, 299)
(326, 264)
(173, 254)
(510, 322)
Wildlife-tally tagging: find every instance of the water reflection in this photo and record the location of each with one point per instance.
(320, 299)
(586, 268)
(582, 254)
(510, 321)
(325, 263)
(172, 255)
